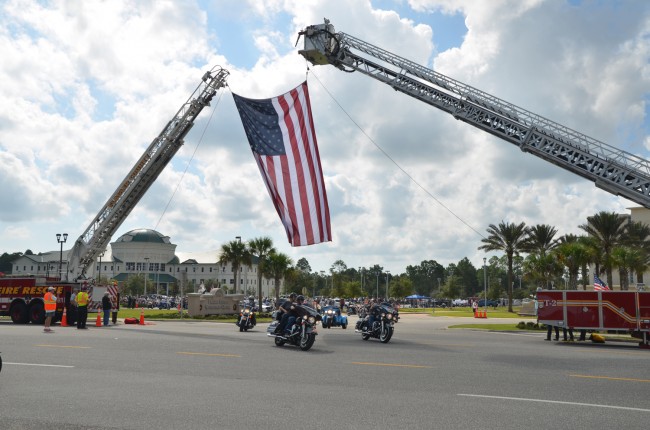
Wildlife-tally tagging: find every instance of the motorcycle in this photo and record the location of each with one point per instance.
(300, 332)
(246, 319)
(383, 325)
(332, 317)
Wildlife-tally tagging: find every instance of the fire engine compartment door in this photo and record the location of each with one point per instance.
(619, 310)
(644, 310)
(582, 310)
(550, 308)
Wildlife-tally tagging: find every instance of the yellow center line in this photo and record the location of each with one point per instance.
(64, 346)
(610, 378)
(391, 365)
(208, 354)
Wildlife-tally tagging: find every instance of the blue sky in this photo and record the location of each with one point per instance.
(87, 86)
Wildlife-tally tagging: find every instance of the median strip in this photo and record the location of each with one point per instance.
(611, 378)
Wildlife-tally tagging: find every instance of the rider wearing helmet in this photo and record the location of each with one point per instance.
(285, 310)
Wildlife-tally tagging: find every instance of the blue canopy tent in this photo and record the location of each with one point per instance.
(416, 296)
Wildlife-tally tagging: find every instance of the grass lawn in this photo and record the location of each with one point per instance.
(467, 312)
(497, 327)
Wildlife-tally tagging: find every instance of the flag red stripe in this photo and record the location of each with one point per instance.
(317, 185)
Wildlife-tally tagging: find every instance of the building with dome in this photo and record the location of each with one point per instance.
(152, 254)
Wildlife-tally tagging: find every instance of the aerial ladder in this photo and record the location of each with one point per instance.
(611, 169)
(144, 173)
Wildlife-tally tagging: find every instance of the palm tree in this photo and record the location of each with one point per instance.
(236, 253)
(276, 267)
(607, 229)
(510, 238)
(637, 236)
(260, 247)
(541, 239)
(572, 254)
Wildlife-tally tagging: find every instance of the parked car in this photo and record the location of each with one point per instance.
(490, 302)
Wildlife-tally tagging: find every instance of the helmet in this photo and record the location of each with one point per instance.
(292, 295)
(300, 298)
(50, 288)
(251, 298)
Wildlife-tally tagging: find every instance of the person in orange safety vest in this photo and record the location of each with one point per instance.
(50, 307)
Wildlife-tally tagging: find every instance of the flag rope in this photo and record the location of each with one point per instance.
(393, 161)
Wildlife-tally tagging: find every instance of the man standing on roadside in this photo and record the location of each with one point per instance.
(82, 307)
(50, 307)
(106, 308)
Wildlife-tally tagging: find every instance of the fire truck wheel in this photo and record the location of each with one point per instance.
(37, 313)
(18, 313)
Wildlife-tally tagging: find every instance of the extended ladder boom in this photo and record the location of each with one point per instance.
(146, 170)
(616, 171)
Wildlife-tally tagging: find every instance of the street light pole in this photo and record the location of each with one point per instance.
(484, 285)
(99, 276)
(146, 274)
(387, 273)
(58, 239)
(377, 294)
(235, 275)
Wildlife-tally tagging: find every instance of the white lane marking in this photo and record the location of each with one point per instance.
(42, 365)
(521, 399)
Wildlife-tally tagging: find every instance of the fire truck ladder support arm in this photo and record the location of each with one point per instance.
(615, 171)
(143, 174)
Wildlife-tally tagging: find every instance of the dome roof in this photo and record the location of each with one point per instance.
(143, 235)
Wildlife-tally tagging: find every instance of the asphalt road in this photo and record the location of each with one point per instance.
(200, 375)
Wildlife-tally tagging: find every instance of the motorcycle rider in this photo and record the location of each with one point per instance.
(372, 310)
(285, 309)
(293, 314)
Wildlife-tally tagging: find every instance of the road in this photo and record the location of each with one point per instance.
(200, 375)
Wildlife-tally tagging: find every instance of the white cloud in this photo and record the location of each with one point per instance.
(88, 86)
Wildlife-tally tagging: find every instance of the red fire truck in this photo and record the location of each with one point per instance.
(21, 298)
(598, 311)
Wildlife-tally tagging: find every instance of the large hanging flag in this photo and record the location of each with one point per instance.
(599, 285)
(281, 134)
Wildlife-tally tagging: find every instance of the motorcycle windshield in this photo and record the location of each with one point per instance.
(334, 308)
(306, 311)
(387, 309)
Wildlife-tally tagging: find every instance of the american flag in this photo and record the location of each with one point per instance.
(281, 134)
(599, 285)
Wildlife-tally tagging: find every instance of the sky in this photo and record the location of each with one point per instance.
(86, 86)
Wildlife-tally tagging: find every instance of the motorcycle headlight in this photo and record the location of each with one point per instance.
(389, 316)
(383, 315)
(311, 320)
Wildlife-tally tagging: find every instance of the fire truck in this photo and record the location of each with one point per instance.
(627, 311)
(22, 298)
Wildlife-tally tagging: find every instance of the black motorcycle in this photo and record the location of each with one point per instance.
(383, 325)
(246, 319)
(300, 332)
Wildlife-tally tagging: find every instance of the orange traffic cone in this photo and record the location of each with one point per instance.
(141, 316)
(98, 322)
(64, 319)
